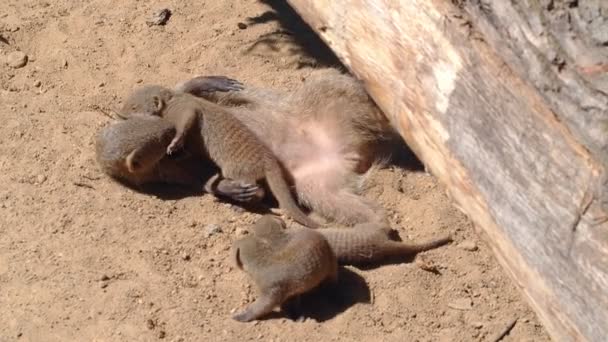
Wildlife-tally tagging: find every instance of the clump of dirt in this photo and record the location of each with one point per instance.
(83, 258)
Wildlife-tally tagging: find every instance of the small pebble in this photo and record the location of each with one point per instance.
(101, 84)
(37, 84)
(241, 26)
(212, 229)
(162, 334)
(16, 59)
(461, 304)
(427, 265)
(150, 324)
(104, 278)
(477, 325)
(185, 256)
(103, 285)
(40, 179)
(468, 245)
(160, 17)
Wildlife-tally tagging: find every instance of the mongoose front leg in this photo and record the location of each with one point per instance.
(261, 307)
(182, 127)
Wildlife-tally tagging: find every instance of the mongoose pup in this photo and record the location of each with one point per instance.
(133, 151)
(206, 87)
(326, 133)
(231, 145)
(282, 263)
(363, 244)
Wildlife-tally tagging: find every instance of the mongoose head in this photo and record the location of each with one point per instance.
(133, 147)
(146, 100)
(268, 225)
(266, 233)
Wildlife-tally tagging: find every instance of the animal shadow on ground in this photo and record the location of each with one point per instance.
(295, 32)
(168, 192)
(328, 300)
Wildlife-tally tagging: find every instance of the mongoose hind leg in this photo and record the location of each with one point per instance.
(338, 203)
(239, 191)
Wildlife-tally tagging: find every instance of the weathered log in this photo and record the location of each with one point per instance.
(508, 160)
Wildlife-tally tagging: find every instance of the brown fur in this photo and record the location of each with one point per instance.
(363, 244)
(282, 263)
(327, 133)
(370, 243)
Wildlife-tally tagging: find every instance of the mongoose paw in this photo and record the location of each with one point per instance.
(178, 155)
(243, 317)
(174, 146)
(238, 191)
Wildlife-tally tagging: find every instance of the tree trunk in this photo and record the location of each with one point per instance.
(498, 111)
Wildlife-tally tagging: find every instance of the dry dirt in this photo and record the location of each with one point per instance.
(84, 259)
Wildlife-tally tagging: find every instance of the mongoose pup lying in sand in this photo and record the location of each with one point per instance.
(225, 140)
(282, 263)
(326, 133)
(134, 152)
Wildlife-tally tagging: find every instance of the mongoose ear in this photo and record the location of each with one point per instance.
(236, 257)
(158, 103)
(133, 163)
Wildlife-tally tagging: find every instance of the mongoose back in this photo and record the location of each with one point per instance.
(147, 99)
(237, 151)
(364, 243)
(369, 243)
(282, 263)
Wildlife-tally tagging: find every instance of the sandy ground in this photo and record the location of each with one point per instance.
(85, 259)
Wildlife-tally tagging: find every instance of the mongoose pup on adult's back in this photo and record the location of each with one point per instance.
(237, 151)
(326, 133)
(282, 263)
(364, 243)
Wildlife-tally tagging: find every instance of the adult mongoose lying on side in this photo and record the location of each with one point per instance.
(326, 133)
